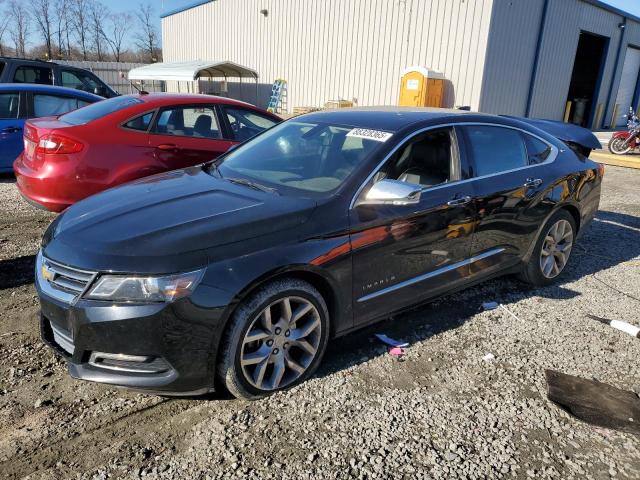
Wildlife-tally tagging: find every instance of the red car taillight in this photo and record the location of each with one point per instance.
(58, 144)
(601, 170)
(30, 133)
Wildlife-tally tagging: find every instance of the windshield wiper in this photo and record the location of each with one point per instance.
(250, 184)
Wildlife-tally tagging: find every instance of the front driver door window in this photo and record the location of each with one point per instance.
(404, 253)
(247, 123)
(188, 135)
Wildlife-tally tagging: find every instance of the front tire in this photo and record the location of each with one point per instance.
(618, 146)
(275, 339)
(552, 251)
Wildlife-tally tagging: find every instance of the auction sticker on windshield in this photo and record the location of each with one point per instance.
(376, 135)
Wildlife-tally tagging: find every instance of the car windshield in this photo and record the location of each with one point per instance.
(311, 157)
(98, 110)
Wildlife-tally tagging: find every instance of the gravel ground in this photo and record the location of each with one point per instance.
(442, 412)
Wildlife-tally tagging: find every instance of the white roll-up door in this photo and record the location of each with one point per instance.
(628, 84)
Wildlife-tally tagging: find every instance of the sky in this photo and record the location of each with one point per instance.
(631, 6)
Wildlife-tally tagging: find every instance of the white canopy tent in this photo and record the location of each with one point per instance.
(192, 71)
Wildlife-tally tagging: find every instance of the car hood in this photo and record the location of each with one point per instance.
(168, 222)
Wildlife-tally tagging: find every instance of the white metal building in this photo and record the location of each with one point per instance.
(518, 57)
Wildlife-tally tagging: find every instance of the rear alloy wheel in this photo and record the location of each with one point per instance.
(552, 250)
(275, 340)
(556, 248)
(619, 146)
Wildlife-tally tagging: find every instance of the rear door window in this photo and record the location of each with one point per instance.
(33, 74)
(9, 105)
(496, 149)
(48, 105)
(99, 109)
(198, 122)
(247, 123)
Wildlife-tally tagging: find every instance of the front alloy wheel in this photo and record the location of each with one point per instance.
(275, 339)
(281, 343)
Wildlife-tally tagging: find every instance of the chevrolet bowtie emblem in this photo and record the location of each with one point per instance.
(47, 274)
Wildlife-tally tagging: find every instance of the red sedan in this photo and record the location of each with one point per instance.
(70, 157)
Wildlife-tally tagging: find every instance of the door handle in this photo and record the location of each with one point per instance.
(168, 147)
(459, 201)
(533, 182)
(11, 130)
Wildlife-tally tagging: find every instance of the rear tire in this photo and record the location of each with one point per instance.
(552, 251)
(617, 146)
(275, 339)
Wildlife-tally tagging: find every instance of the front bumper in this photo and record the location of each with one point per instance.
(159, 348)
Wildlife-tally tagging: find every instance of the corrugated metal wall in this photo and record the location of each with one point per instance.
(111, 74)
(511, 53)
(331, 49)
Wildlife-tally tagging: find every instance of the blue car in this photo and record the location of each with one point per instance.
(19, 102)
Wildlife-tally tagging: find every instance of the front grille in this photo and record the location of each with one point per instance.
(62, 281)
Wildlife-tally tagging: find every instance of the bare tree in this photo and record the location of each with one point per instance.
(118, 27)
(97, 13)
(147, 35)
(5, 18)
(42, 13)
(20, 22)
(63, 28)
(80, 19)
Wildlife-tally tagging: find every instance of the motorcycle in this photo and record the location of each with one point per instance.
(624, 142)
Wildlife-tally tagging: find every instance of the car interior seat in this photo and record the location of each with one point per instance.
(428, 162)
(202, 127)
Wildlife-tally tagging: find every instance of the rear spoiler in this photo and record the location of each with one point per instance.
(578, 138)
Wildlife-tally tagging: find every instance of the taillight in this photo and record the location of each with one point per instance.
(58, 144)
(601, 170)
(30, 133)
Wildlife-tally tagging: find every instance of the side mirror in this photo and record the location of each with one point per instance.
(100, 91)
(392, 192)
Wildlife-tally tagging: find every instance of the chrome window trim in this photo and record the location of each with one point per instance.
(552, 157)
(431, 274)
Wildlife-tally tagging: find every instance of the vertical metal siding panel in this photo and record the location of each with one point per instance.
(510, 56)
(338, 48)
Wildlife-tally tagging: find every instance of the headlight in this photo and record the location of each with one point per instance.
(144, 289)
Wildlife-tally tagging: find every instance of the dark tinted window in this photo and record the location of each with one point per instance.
(32, 74)
(9, 105)
(188, 122)
(1, 67)
(99, 110)
(140, 123)
(537, 150)
(79, 80)
(496, 149)
(47, 105)
(246, 123)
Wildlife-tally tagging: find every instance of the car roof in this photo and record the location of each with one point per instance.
(36, 87)
(389, 118)
(160, 99)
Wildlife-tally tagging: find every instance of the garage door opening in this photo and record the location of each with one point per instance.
(628, 88)
(585, 79)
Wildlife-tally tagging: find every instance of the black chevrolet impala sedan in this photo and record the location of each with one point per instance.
(237, 273)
